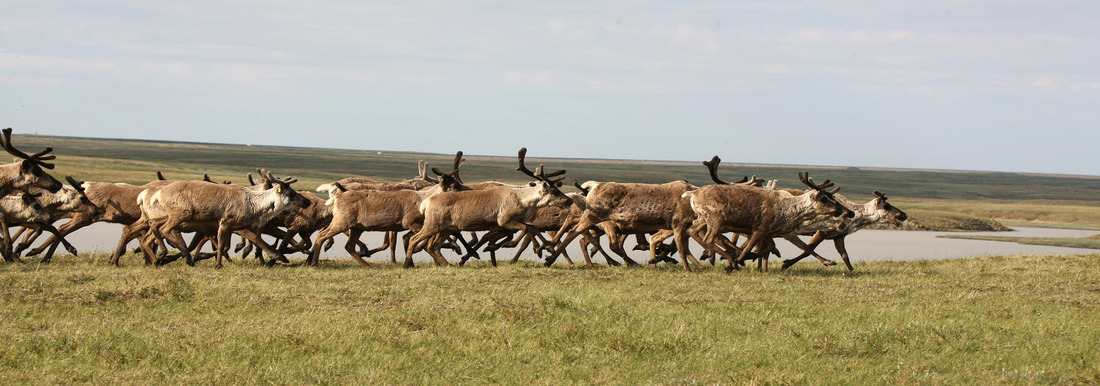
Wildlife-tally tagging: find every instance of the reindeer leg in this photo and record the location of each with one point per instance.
(324, 237)
(68, 247)
(527, 238)
(28, 238)
(807, 250)
(5, 246)
(839, 243)
(745, 250)
(129, 232)
(355, 233)
(254, 237)
(433, 249)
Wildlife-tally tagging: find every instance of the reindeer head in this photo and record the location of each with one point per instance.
(546, 183)
(31, 173)
(894, 215)
(824, 200)
(281, 188)
(76, 200)
(451, 182)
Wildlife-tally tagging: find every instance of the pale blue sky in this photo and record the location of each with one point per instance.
(977, 85)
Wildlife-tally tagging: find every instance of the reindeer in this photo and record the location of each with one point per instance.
(68, 202)
(26, 172)
(623, 208)
(118, 204)
(762, 213)
(485, 210)
(180, 205)
(421, 181)
(38, 211)
(358, 211)
(875, 211)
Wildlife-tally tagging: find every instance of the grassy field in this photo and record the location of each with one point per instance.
(1009, 320)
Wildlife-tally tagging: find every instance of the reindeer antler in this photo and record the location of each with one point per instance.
(805, 178)
(880, 195)
(37, 158)
(458, 160)
(584, 192)
(78, 185)
(712, 166)
(538, 173)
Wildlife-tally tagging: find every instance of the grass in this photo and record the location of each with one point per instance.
(1017, 319)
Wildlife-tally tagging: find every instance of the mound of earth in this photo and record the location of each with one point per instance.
(945, 221)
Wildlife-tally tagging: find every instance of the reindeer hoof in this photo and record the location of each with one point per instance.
(828, 263)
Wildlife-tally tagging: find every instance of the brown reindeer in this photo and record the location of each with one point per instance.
(181, 205)
(485, 210)
(358, 211)
(762, 213)
(626, 208)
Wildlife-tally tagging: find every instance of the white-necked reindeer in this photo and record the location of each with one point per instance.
(26, 172)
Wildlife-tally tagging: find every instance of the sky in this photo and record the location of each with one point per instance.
(972, 85)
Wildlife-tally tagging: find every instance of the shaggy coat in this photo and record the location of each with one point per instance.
(876, 211)
(761, 213)
(634, 208)
(188, 204)
(481, 210)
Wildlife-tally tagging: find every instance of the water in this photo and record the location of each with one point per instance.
(865, 245)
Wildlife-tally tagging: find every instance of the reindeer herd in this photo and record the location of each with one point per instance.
(430, 215)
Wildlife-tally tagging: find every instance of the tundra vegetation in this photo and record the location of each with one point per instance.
(1006, 319)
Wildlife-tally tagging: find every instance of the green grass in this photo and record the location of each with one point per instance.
(1019, 319)
(1092, 242)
